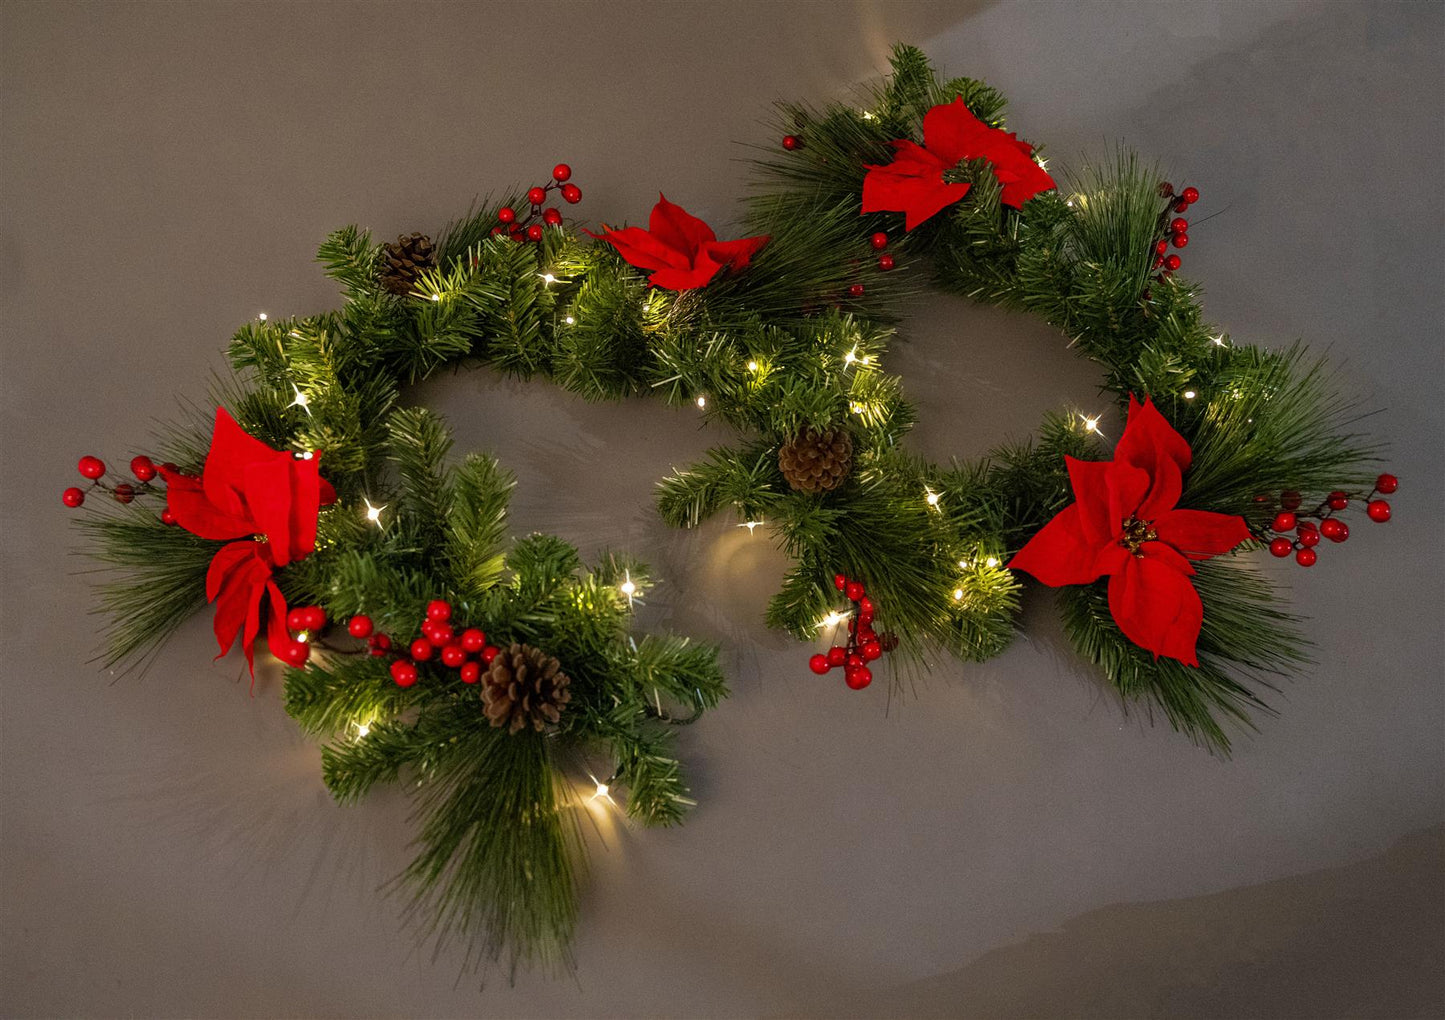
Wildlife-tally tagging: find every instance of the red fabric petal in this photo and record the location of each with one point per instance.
(912, 184)
(186, 498)
(284, 498)
(1127, 488)
(234, 581)
(736, 254)
(223, 477)
(675, 227)
(1022, 179)
(952, 133)
(327, 494)
(1200, 534)
(277, 636)
(1155, 605)
(1060, 553)
(639, 248)
(1151, 443)
(1090, 482)
(697, 275)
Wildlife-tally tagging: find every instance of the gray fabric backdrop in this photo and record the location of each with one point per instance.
(1004, 841)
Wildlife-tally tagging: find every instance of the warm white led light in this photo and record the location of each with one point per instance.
(930, 497)
(569, 320)
(750, 525)
(752, 366)
(547, 278)
(1190, 394)
(702, 402)
(958, 594)
(262, 316)
(373, 513)
(991, 562)
(302, 400)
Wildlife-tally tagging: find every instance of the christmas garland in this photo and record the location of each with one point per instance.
(310, 507)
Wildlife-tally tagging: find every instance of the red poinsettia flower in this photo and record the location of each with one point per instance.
(680, 249)
(268, 498)
(913, 183)
(1124, 524)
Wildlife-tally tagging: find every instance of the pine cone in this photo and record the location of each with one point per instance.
(404, 262)
(817, 461)
(524, 685)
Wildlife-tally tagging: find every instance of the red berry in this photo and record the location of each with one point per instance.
(1181, 206)
(1308, 537)
(1289, 499)
(819, 664)
(294, 653)
(403, 672)
(1190, 195)
(1180, 240)
(879, 241)
(453, 656)
(498, 230)
(1379, 511)
(72, 497)
(473, 640)
(1338, 500)
(124, 492)
(858, 677)
(855, 290)
(552, 216)
(1166, 189)
(168, 516)
(1285, 521)
(359, 626)
(296, 619)
(885, 262)
(471, 672)
(872, 650)
(489, 653)
(853, 660)
(1158, 259)
(380, 641)
(422, 649)
(1387, 484)
(1173, 262)
(1306, 557)
(441, 633)
(534, 232)
(1334, 529)
(91, 467)
(1280, 547)
(792, 142)
(1161, 247)
(536, 195)
(865, 634)
(854, 590)
(839, 581)
(315, 618)
(572, 193)
(561, 172)
(1179, 225)
(438, 610)
(507, 214)
(143, 469)
(837, 655)
(866, 608)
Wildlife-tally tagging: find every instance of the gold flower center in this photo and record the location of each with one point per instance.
(1136, 533)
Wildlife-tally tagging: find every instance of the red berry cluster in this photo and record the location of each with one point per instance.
(1310, 526)
(864, 646)
(878, 242)
(308, 620)
(440, 640)
(530, 229)
(142, 468)
(1173, 229)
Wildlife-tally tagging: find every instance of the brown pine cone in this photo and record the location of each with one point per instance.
(524, 686)
(403, 263)
(817, 460)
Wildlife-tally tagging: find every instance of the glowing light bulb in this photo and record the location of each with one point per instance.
(302, 400)
(750, 525)
(303, 636)
(1218, 341)
(831, 620)
(857, 408)
(930, 497)
(991, 562)
(569, 320)
(1090, 424)
(752, 366)
(701, 402)
(963, 564)
(362, 729)
(547, 279)
(373, 513)
(1190, 394)
(627, 587)
(958, 594)
(262, 316)
(850, 357)
(602, 790)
